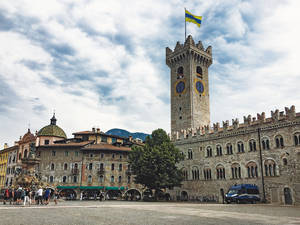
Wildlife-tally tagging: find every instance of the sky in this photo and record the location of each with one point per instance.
(102, 63)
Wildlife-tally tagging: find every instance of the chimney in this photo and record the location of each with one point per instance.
(5, 145)
(93, 129)
(98, 130)
(130, 138)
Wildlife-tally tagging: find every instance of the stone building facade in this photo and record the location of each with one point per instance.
(90, 163)
(262, 151)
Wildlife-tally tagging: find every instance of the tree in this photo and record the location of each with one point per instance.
(154, 164)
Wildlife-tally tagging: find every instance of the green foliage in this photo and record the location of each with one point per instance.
(154, 165)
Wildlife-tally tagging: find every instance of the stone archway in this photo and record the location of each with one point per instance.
(287, 196)
(68, 194)
(133, 195)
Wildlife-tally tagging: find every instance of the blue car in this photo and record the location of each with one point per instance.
(242, 193)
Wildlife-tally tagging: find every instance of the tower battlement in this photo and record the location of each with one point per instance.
(249, 122)
(189, 50)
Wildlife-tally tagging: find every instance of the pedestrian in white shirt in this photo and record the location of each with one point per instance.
(40, 196)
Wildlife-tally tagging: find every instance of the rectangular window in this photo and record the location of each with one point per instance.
(66, 153)
(76, 153)
(46, 142)
(53, 153)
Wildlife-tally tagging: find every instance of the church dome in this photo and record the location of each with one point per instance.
(28, 137)
(52, 130)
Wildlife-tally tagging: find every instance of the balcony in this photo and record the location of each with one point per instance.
(75, 171)
(101, 171)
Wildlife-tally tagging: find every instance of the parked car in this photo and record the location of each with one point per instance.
(243, 193)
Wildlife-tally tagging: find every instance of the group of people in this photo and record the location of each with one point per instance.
(21, 196)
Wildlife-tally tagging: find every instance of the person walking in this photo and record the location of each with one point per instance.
(6, 196)
(26, 197)
(40, 196)
(47, 196)
(55, 196)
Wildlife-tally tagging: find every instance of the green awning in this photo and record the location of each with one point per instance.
(91, 187)
(67, 187)
(114, 188)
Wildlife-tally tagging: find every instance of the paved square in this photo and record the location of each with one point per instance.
(140, 213)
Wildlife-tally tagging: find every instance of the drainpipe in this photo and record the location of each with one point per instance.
(261, 166)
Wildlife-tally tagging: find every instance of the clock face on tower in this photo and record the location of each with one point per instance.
(199, 87)
(180, 87)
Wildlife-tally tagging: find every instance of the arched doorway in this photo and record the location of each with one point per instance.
(133, 195)
(287, 196)
(184, 196)
(68, 194)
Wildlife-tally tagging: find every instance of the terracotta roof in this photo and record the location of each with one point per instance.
(95, 132)
(106, 147)
(70, 144)
(84, 132)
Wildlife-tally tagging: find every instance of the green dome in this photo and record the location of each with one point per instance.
(52, 130)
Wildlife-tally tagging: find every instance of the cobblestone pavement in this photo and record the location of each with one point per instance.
(140, 213)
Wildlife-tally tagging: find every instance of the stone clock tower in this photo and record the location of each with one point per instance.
(189, 64)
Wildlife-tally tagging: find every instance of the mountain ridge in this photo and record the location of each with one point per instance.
(126, 133)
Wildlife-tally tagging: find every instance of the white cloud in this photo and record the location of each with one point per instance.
(103, 64)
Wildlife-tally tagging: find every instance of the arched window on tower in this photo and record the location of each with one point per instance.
(65, 166)
(199, 71)
(52, 167)
(180, 72)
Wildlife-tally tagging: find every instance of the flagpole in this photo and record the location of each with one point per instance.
(184, 26)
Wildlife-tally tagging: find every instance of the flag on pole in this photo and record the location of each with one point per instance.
(189, 17)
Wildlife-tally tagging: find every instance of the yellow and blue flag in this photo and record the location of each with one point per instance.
(189, 17)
